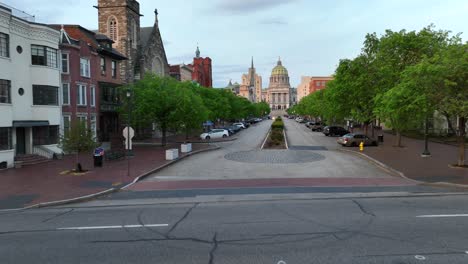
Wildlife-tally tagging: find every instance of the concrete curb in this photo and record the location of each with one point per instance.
(111, 190)
(146, 174)
(401, 174)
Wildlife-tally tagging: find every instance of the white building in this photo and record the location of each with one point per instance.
(29, 89)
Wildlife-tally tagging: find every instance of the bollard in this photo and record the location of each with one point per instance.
(361, 146)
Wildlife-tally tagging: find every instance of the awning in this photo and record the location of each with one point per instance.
(30, 123)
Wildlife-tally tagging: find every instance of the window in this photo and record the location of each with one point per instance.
(66, 93)
(93, 96)
(45, 56)
(5, 90)
(66, 124)
(65, 64)
(83, 120)
(45, 135)
(113, 29)
(5, 138)
(103, 66)
(114, 69)
(84, 68)
(45, 95)
(4, 45)
(81, 95)
(93, 125)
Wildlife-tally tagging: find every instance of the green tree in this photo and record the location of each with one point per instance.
(78, 139)
(190, 111)
(154, 102)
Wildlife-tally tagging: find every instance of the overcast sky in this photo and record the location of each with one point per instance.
(311, 36)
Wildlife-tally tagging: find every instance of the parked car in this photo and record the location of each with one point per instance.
(299, 119)
(247, 125)
(235, 128)
(241, 125)
(334, 131)
(308, 124)
(317, 126)
(215, 133)
(231, 132)
(353, 140)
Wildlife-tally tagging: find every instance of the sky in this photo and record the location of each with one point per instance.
(310, 36)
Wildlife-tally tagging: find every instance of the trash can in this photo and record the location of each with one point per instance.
(380, 138)
(98, 157)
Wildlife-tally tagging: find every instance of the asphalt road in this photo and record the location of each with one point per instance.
(346, 230)
(311, 155)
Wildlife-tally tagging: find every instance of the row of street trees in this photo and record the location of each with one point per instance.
(400, 78)
(183, 106)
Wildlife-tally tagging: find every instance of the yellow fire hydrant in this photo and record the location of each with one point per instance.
(361, 146)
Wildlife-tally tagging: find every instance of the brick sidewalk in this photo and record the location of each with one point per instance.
(408, 160)
(44, 182)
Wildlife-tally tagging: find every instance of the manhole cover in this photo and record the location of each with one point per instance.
(274, 156)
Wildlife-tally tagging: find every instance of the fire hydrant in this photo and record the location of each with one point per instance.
(361, 146)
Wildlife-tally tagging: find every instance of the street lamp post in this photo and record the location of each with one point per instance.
(129, 95)
(426, 152)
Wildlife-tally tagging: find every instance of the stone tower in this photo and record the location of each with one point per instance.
(120, 21)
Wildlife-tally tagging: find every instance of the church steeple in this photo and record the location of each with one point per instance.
(252, 66)
(197, 52)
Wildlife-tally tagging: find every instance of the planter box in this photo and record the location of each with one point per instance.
(172, 154)
(186, 148)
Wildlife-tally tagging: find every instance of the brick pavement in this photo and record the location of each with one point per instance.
(44, 182)
(408, 160)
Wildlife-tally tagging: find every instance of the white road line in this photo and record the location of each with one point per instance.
(445, 215)
(110, 227)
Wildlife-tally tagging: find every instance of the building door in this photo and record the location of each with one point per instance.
(20, 140)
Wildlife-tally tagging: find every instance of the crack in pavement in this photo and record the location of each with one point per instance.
(363, 210)
(181, 219)
(57, 215)
(212, 251)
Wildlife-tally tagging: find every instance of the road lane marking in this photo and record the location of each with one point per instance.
(442, 215)
(419, 257)
(110, 227)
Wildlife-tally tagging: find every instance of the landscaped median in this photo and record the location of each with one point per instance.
(276, 137)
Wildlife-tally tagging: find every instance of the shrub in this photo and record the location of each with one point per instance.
(278, 124)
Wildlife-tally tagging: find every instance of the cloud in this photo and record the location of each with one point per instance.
(249, 6)
(273, 21)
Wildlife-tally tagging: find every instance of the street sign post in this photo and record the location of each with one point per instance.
(128, 133)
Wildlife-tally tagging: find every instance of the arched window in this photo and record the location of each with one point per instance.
(133, 33)
(113, 28)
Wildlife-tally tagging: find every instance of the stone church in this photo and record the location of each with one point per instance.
(143, 46)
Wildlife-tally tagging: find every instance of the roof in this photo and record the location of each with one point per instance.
(145, 34)
(279, 69)
(78, 33)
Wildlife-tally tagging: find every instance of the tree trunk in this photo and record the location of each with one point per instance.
(186, 134)
(451, 130)
(398, 138)
(461, 141)
(78, 167)
(366, 128)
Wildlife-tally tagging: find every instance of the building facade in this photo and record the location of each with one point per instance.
(89, 81)
(181, 72)
(251, 85)
(303, 89)
(202, 72)
(278, 93)
(120, 21)
(310, 84)
(318, 83)
(29, 101)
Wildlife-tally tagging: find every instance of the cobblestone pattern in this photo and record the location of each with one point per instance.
(274, 156)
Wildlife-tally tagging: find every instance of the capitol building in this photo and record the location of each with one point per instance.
(279, 94)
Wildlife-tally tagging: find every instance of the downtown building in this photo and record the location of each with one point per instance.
(310, 84)
(29, 89)
(199, 71)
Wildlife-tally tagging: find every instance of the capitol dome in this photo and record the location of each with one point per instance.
(279, 69)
